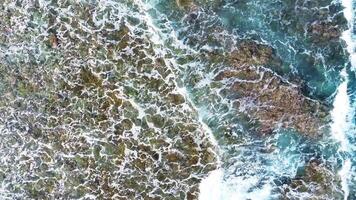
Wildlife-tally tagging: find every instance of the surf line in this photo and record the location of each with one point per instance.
(340, 114)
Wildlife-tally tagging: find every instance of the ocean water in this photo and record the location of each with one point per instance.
(178, 99)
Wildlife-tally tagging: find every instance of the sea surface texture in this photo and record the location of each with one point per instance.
(178, 99)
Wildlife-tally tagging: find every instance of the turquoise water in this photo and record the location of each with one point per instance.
(177, 99)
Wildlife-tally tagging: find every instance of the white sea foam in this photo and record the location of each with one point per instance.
(341, 114)
(345, 174)
(339, 127)
(351, 45)
(210, 187)
(214, 187)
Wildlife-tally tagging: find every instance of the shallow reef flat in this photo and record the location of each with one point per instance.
(90, 107)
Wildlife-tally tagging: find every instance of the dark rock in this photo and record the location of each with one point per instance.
(252, 53)
(89, 78)
(318, 181)
(176, 98)
(115, 99)
(53, 40)
(186, 4)
(322, 31)
(268, 99)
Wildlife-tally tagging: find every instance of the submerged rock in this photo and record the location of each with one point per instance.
(322, 31)
(252, 76)
(185, 3)
(269, 101)
(295, 30)
(89, 78)
(317, 182)
(53, 40)
(252, 53)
